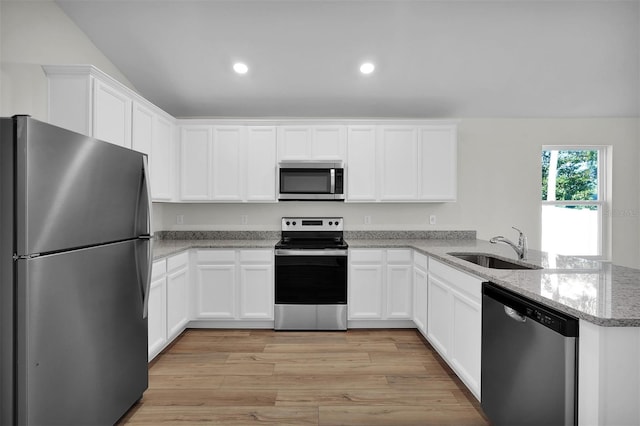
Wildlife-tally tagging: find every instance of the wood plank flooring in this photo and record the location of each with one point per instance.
(357, 377)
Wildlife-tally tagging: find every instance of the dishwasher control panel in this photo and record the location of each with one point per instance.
(535, 311)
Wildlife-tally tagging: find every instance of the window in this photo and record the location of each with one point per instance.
(573, 200)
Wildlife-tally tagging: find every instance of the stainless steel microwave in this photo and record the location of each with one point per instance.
(310, 180)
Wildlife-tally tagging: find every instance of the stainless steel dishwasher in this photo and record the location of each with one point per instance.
(529, 361)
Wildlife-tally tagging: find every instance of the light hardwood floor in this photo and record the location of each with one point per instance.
(357, 377)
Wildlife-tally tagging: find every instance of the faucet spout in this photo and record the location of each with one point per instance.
(520, 248)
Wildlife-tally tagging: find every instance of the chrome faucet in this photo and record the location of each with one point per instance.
(521, 248)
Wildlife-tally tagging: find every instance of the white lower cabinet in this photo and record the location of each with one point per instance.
(454, 320)
(420, 292)
(380, 284)
(168, 305)
(157, 309)
(234, 284)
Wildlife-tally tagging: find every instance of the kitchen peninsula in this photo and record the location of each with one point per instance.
(604, 297)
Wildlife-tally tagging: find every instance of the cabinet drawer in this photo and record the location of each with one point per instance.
(420, 260)
(365, 256)
(461, 281)
(159, 268)
(256, 256)
(399, 256)
(218, 256)
(177, 261)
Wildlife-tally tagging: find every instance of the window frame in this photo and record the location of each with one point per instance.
(603, 193)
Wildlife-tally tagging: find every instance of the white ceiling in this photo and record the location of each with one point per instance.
(509, 58)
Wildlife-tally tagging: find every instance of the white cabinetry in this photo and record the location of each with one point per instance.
(361, 165)
(228, 163)
(402, 163)
(157, 309)
(321, 142)
(111, 114)
(88, 101)
(420, 292)
(234, 284)
(168, 303)
(454, 320)
(380, 284)
(177, 294)
(399, 163)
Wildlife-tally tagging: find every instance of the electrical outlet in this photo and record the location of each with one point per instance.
(180, 219)
(244, 219)
(367, 220)
(432, 219)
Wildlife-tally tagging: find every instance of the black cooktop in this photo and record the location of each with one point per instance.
(312, 244)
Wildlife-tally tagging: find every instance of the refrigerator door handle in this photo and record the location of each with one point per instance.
(146, 285)
(147, 186)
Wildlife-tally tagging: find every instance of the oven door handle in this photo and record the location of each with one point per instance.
(289, 252)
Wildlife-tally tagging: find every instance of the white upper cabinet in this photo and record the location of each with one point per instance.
(307, 142)
(438, 163)
(228, 163)
(361, 164)
(163, 174)
(261, 163)
(111, 114)
(227, 167)
(195, 163)
(88, 101)
(401, 163)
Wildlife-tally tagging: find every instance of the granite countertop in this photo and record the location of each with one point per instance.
(598, 292)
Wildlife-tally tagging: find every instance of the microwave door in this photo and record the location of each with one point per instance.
(307, 183)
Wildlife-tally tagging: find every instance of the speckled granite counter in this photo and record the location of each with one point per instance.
(599, 292)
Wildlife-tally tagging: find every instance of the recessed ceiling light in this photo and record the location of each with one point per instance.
(367, 68)
(240, 68)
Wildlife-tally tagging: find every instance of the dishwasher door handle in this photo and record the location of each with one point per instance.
(514, 315)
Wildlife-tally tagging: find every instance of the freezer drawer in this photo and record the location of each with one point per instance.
(81, 335)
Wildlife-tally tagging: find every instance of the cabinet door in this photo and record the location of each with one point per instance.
(195, 163)
(399, 292)
(294, 143)
(399, 159)
(256, 292)
(261, 163)
(162, 166)
(365, 291)
(227, 167)
(157, 316)
(328, 143)
(177, 301)
(466, 339)
(143, 128)
(438, 168)
(216, 291)
(439, 315)
(420, 298)
(111, 115)
(361, 165)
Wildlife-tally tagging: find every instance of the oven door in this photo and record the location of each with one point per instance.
(311, 277)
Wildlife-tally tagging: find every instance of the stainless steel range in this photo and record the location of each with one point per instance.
(311, 275)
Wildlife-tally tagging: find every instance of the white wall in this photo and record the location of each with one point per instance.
(33, 33)
(499, 159)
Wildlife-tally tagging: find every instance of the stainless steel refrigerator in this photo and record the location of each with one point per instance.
(75, 258)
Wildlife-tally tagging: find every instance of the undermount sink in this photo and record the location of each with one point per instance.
(490, 261)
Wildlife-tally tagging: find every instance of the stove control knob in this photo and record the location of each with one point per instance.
(331, 223)
(288, 223)
(294, 223)
(336, 223)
